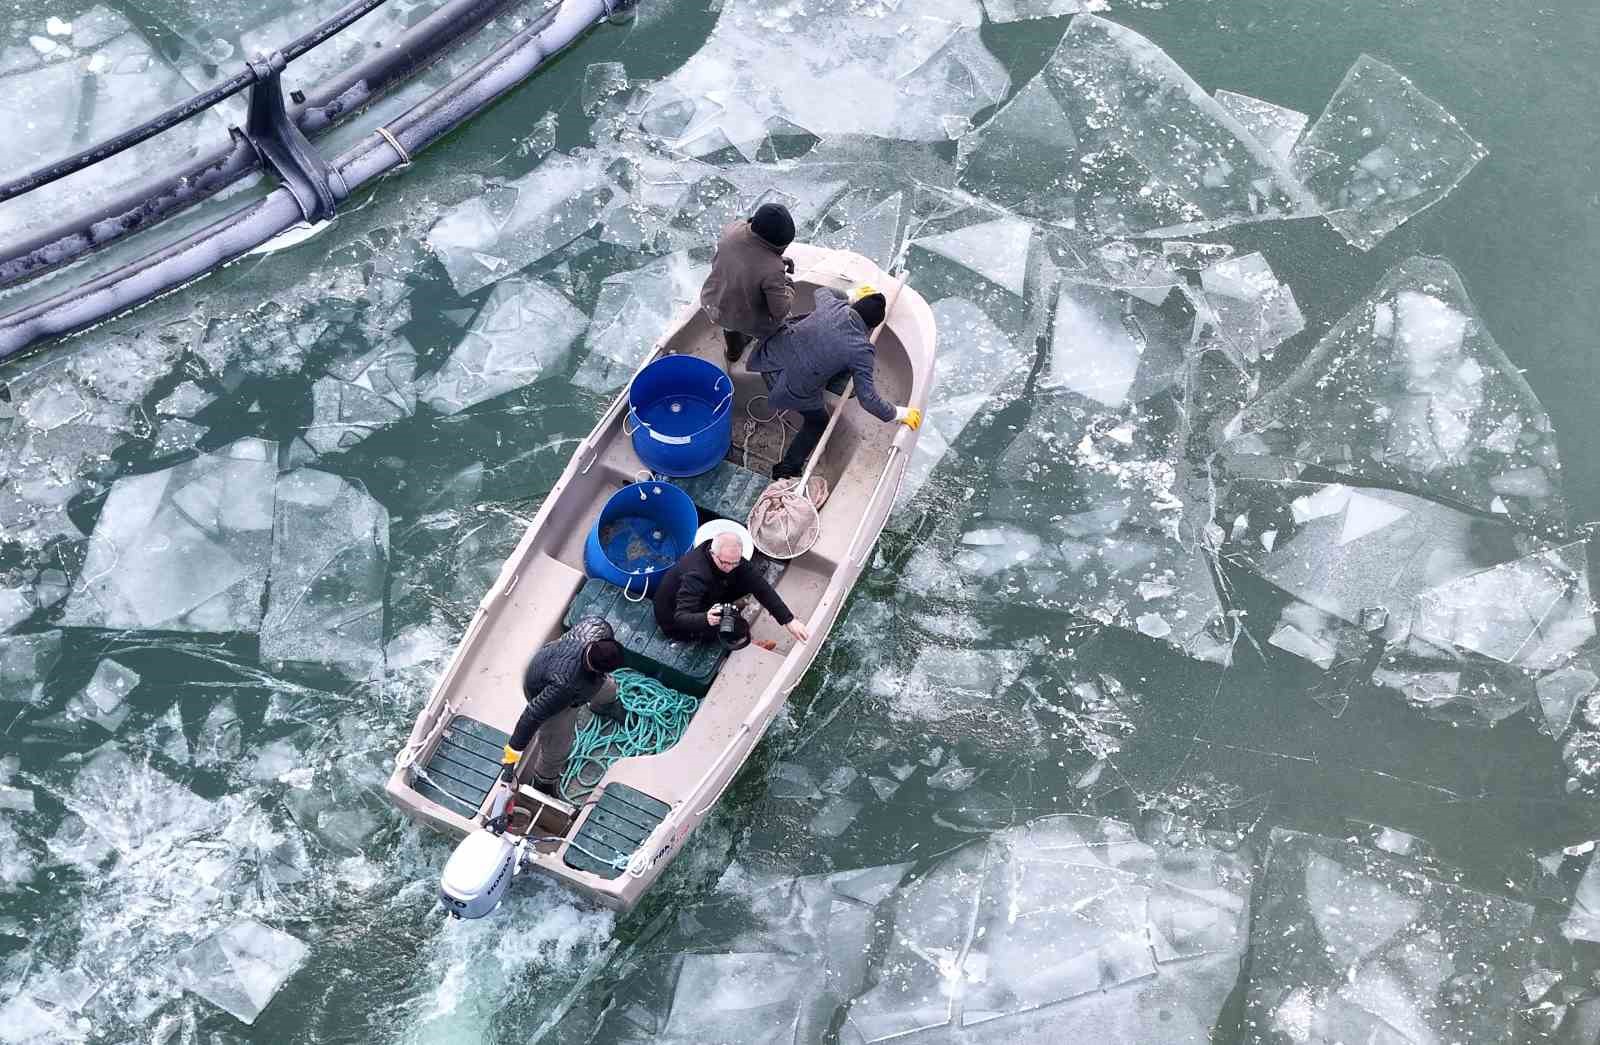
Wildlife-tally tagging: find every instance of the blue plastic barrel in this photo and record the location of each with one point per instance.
(641, 532)
(682, 410)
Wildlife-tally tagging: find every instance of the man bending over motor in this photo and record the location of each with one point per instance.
(690, 600)
(563, 677)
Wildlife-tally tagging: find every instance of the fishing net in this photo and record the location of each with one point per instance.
(784, 522)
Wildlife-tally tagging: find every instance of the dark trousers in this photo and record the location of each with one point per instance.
(805, 441)
(552, 739)
(707, 633)
(736, 342)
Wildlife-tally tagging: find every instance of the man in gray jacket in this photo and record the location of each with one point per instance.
(748, 292)
(800, 359)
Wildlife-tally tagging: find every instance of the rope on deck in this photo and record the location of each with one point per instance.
(657, 718)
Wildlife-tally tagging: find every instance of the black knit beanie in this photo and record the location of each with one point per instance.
(772, 222)
(871, 309)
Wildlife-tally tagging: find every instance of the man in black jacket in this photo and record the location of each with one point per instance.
(563, 677)
(692, 593)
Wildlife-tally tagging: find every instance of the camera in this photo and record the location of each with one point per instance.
(728, 623)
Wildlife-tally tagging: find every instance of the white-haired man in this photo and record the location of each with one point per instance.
(691, 596)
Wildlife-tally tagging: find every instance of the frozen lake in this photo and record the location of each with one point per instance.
(1227, 673)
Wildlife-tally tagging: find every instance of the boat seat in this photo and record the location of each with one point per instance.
(728, 490)
(464, 766)
(688, 667)
(617, 824)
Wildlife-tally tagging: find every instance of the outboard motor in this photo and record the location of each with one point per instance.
(478, 872)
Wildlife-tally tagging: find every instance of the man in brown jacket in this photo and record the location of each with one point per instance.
(748, 292)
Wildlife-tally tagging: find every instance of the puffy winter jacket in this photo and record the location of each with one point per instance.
(695, 584)
(557, 677)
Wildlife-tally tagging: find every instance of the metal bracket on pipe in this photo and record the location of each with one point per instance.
(316, 187)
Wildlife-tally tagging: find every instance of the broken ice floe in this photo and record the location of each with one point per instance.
(1381, 152)
(516, 223)
(1125, 142)
(523, 332)
(1351, 944)
(1272, 125)
(764, 959)
(1254, 313)
(330, 555)
(241, 968)
(359, 396)
(1022, 10)
(770, 70)
(1409, 387)
(997, 249)
(635, 308)
(1092, 520)
(1111, 347)
(1444, 607)
(73, 407)
(191, 548)
(979, 365)
(1065, 923)
(182, 549)
(25, 665)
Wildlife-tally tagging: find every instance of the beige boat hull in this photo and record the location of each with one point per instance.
(864, 462)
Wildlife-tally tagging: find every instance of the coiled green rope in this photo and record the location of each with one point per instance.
(657, 717)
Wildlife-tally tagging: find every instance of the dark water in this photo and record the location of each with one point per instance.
(249, 776)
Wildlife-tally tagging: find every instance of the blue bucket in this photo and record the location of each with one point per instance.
(682, 409)
(642, 531)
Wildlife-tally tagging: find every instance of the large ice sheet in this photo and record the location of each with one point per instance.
(182, 549)
(25, 665)
(997, 250)
(1064, 926)
(523, 332)
(1098, 503)
(241, 968)
(1534, 612)
(1409, 387)
(75, 88)
(916, 75)
(1381, 152)
(1272, 125)
(1118, 140)
(634, 309)
(978, 367)
(357, 397)
(1022, 10)
(330, 554)
(514, 224)
(73, 407)
(1111, 347)
(1354, 944)
(768, 959)
(1254, 313)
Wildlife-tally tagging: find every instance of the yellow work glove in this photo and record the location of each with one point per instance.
(911, 417)
(510, 756)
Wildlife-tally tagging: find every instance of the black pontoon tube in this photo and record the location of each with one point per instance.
(184, 110)
(325, 105)
(254, 224)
